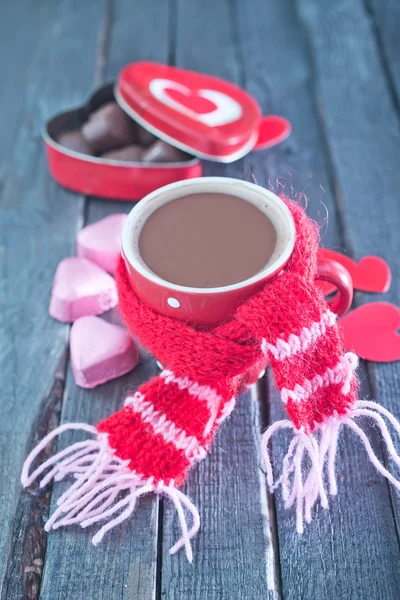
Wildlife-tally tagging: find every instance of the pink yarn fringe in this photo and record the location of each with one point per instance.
(303, 488)
(104, 486)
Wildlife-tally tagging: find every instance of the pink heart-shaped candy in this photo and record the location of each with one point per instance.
(372, 331)
(100, 351)
(81, 288)
(101, 241)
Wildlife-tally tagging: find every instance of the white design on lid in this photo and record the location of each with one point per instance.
(227, 109)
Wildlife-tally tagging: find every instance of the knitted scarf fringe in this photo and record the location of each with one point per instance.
(104, 486)
(308, 468)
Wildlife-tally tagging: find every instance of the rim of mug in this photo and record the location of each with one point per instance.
(245, 190)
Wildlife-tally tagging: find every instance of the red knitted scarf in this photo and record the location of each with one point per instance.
(169, 422)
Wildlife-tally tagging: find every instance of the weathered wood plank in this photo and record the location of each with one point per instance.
(385, 20)
(18, 40)
(38, 225)
(141, 31)
(27, 544)
(364, 141)
(126, 560)
(124, 566)
(231, 549)
(284, 86)
(316, 565)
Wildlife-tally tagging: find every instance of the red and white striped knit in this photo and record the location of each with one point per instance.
(169, 423)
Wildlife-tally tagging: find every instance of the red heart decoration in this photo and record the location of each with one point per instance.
(192, 100)
(372, 331)
(371, 274)
(273, 129)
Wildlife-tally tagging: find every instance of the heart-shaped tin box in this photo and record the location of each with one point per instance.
(203, 116)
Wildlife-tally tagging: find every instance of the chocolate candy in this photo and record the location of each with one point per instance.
(74, 140)
(109, 128)
(128, 153)
(145, 137)
(162, 152)
(112, 134)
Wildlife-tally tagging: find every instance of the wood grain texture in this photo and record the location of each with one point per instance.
(124, 566)
(326, 68)
(21, 41)
(343, 553)
(28, 539)
(231, 548)
(233, 553)
(362, 129)
(385, 18)
(38, 225)
(140, 31)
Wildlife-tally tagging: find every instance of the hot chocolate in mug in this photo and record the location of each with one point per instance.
(213, 229)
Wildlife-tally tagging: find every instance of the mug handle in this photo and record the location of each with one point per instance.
(327, 270)
(335, 273)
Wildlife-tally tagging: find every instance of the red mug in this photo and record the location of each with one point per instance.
(208, 307)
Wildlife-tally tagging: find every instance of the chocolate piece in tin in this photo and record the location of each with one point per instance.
(122, 180)
(109, 128)
(160, 151)
(74, 140)
(130, 153)
(146, 138)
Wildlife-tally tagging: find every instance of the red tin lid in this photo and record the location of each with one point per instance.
(203, 115)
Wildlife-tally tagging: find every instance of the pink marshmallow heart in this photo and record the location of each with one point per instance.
(101, 242)
(81, 288)
(100, 351)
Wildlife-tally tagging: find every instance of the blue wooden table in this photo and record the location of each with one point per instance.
(332, 67)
